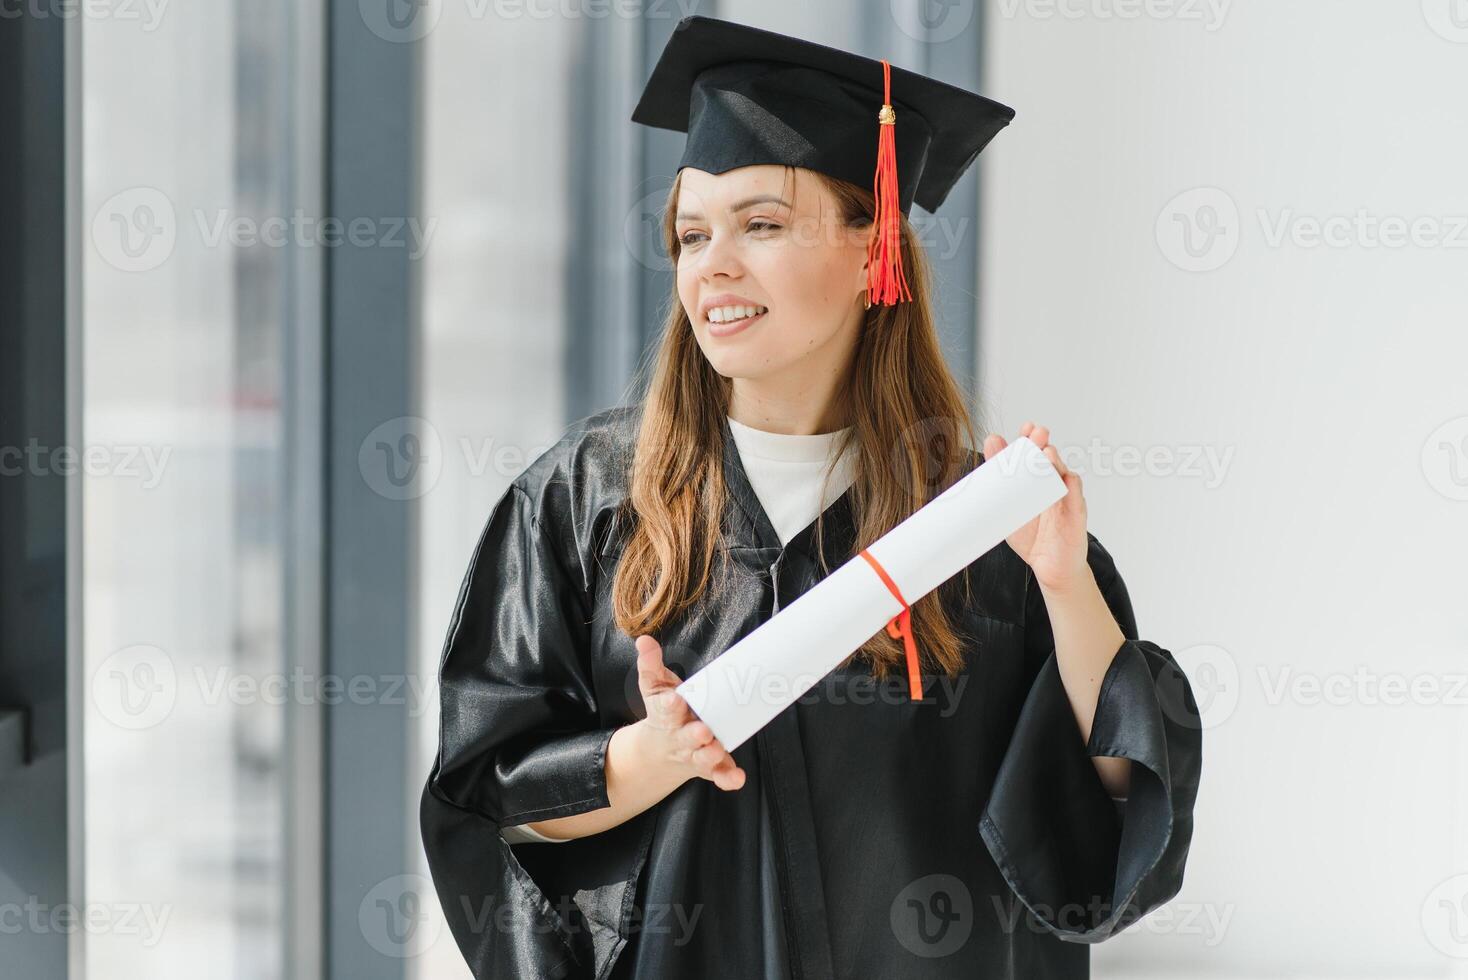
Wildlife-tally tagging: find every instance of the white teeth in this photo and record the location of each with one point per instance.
(724, 314)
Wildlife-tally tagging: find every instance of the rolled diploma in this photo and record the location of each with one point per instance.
(741, 691)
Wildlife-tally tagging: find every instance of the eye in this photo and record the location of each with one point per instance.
(689, 238)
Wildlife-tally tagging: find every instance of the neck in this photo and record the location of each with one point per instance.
(809, 408)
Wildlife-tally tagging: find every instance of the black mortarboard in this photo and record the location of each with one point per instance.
(748, 96)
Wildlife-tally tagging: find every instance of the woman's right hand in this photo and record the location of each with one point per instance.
(675, 735)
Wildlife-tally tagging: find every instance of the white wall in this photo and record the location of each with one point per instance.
(1327, 545)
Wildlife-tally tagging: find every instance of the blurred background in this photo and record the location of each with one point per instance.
(291, 291)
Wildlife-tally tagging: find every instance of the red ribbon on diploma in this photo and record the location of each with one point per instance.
(900, 627)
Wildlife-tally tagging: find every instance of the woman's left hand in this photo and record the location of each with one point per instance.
(1054, 542)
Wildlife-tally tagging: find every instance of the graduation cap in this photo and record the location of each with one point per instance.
(748, 96)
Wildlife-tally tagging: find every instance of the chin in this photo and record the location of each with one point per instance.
(728, 362)
(729, 367)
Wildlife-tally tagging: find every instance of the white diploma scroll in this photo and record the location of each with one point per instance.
(741, 691)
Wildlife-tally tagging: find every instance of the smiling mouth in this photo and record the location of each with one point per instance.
(726, 327)
(736, 319)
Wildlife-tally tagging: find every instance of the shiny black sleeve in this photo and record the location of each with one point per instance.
(520, 740)
(1085, 866)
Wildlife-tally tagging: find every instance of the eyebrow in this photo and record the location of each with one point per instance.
(741, 206)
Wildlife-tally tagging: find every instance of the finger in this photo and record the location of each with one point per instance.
(713, 763)
(648, 648)
(1053, 454)
(694, 735)
(652, 674)
(672, 710)
(1040, 436)
(993, 445)
(729, 777)
(708, 758)
(1025, 429)
(650, 679)
(1072, 499)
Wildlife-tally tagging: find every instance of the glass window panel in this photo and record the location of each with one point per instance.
(189, 289)
(496, 93)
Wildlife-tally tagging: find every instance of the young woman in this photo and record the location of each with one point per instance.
(580, 820)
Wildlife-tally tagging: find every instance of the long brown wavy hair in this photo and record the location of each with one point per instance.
(913, 432)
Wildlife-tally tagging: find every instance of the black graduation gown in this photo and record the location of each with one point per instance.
(966, 835)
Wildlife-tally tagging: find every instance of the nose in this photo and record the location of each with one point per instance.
(719, 255)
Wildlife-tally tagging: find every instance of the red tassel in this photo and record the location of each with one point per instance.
(886, 282)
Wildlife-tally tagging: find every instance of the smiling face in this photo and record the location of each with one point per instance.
(752, 241)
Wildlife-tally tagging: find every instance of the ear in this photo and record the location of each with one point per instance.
(862, 240)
